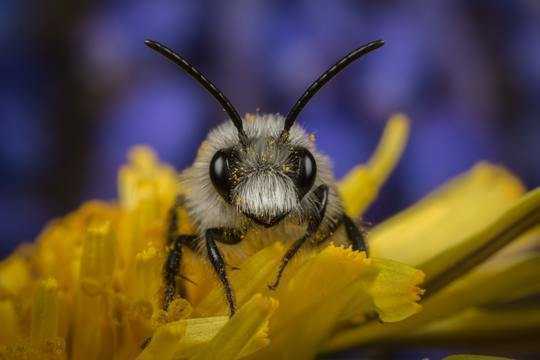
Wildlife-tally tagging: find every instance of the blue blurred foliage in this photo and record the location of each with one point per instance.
(79, 88)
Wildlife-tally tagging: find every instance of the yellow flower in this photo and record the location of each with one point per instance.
(90, 287)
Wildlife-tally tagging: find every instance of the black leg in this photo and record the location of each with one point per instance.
(321, 196)
(172, 220)
(225, 236)
(171, 267)
(354, 235)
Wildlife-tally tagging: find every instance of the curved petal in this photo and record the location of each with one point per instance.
(242, 334)
(447, 217)
(361, 185)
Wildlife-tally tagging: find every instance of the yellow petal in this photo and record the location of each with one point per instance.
(148, 276)
(526, 281)
(93, 327)
(446, 218)
(317, 294)
(10, 329)
(144, 166)
(485, 285)
(194, 335)
(44, 342)
(455, 261)
(503, 278)
(16, 287)
(241, 335)
(59, 247)
(45, 312)
(199, 331)
(500, 308)
(147, 189)
(51, 350)
(98, 258)
(184, 338)
(361, 185)
(395, 292)
(254, 276)
(202, 281)
(164, 342)
(477, 324)
(14, 275)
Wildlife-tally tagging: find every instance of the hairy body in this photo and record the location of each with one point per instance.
(255, 180)
(263, 204)
(265, 190)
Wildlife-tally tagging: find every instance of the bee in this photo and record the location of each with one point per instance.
(259, 174)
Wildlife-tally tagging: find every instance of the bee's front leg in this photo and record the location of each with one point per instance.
(175, 242)
(226, 236)
(171, 269)
(321, 199)
(355, 235)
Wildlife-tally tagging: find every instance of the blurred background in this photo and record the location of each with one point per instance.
(79, 88)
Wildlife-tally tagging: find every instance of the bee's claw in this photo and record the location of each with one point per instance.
(272, 287)
(145, 342)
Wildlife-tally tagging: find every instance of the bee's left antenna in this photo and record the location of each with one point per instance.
(203, 80)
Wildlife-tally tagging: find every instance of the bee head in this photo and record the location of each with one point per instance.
(266, 179)
(263, 167)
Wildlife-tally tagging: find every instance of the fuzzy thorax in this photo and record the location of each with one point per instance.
(262, 190)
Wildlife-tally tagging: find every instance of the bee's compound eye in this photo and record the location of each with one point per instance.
(307, 170)
(220, 173)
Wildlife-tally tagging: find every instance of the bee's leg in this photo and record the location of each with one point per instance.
(321, 197)
(172, 220)
(226, 236)
(355, 236)
(171, 267)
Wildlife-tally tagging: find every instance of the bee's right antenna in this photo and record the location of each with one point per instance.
(325, 78)
(203, 80)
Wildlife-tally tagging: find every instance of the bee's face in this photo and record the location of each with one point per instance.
(264, 180)
(243, 162)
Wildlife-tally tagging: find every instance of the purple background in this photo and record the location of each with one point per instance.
(79, 88)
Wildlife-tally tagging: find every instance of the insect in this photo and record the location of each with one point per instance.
(258, 174)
